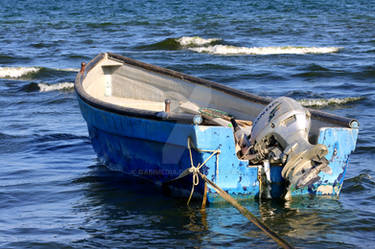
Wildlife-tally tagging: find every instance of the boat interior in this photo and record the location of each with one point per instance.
(132, 86)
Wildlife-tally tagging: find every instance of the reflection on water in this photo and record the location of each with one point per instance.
(300, 217)
(116, 207)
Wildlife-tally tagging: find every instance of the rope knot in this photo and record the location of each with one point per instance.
(194, 170)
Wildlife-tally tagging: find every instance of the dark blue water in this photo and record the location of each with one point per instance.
(55, 194)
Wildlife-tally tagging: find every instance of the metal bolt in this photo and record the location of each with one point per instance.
(167, 105)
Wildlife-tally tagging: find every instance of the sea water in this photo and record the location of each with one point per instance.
(54, 193)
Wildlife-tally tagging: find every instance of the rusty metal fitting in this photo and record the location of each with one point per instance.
(167, 105)
(83, 66)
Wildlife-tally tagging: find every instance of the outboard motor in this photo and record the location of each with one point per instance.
(280, 135)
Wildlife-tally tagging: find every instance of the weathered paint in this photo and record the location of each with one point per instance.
(157, 151)
(226, 170)
(341, 143)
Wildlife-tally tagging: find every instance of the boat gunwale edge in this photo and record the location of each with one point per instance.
(184, 118)
(94, 102)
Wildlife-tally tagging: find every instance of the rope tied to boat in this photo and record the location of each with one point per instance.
(195, 170)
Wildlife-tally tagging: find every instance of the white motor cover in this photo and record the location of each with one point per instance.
(287, 122)
(285, 118)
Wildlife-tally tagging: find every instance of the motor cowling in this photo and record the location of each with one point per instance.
(280, 134)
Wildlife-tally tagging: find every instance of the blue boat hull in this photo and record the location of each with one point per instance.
(157, 150)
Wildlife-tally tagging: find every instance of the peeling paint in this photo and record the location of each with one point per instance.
(157, 150)
(325, 189)
(203, 128)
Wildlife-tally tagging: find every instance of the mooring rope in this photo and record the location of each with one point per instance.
(194, 170)
(280, 241)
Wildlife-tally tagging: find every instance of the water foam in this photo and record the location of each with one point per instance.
(233, 50)
(187, 41)
(56, 87)
(68, 69)
(17, 72)
(330, 101)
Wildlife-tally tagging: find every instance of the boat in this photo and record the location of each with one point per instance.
(164, 126)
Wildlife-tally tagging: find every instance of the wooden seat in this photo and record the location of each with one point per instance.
(135, 103)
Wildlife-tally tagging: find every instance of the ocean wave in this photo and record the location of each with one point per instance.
(193, 41)
(67, 69)
(35, 72)
(180, 43)
(233, 50)
(326, 102)
(216, 46)
(64, 86)
(166, 44)
(17, 72)
(360, 183)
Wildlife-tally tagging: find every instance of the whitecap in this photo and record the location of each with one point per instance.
(68, 69)
(326, 102)
(186, 41)
(16, 72)
(233, 50)
(55, 87)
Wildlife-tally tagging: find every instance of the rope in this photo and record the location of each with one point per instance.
(195, 169)
(196, 174)
(207, 151)
(280, 241)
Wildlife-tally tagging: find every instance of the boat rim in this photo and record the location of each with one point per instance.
(181, 117)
